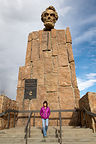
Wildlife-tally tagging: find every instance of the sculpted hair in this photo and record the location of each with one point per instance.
(49, 8)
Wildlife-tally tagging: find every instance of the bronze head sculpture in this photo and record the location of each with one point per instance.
(49, 18)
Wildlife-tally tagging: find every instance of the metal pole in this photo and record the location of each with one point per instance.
(60, 128)
(29, 129)
(34, 120)
(80, 119)
(8, 120)
(26, 136)
(14, 119)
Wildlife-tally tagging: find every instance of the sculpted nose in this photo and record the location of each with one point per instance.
(48, 17)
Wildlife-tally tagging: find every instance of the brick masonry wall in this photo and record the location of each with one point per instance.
(89, 102)
(5, 104)
(49, 59)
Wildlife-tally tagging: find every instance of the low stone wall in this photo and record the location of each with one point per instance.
(89, 102)
(5, 104)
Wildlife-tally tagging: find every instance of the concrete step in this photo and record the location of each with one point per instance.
(70, 135)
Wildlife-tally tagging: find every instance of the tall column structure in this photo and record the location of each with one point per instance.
(49, 59)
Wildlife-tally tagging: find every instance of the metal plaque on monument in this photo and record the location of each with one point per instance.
(30, 89)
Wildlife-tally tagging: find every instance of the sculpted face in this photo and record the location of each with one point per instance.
(49, 19)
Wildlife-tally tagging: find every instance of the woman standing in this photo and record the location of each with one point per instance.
(45, 112)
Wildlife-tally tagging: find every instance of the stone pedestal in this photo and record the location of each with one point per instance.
(49, 59)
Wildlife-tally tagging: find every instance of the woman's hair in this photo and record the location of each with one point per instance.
(46, 103)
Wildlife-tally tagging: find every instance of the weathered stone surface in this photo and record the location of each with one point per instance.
(61, 39)
(73, 74)
(38, 71)
(35, 50)
(44, 43)
(54, 47)
(20, 95)
(53, 33)
(66, 97)
(51, 82)
(70, 52)
(49, 59)
(28, 53)
(62, 55)
(62, 60)
(68, 36)
(52, 97)
(55, 64)
(26, 72)
(48, 65)
(64, 77)
(62, 49)
(89, 102)
(5, 104)
(30, 37)
(35, 35)
(77, 97)
(42, 93)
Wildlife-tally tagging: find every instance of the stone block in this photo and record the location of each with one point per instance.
(44, 43)
(28, 53)
(30, 37)
(66, 97)
(77, 96)
(38, 71)
(51, 82)
(35, 50)
(54, 45)
(73, 74)
(47, 54)
(20, 94)
(6, 104)
(64, 77)
(62, 60)
(68, 36)
(52, 97)
(55, 64)
(35, 35)
(62, 50)
(70, 52)
(41, 92)
(48, 66)
(53, 33)
(60, 37)
(89, 102)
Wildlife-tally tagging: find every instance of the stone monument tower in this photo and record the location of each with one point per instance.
(49, 71)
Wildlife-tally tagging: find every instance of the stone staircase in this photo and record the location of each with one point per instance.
(70, 135)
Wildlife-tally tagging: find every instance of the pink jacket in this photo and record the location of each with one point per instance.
(45, 112)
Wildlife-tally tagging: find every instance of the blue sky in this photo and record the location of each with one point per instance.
(19, 17)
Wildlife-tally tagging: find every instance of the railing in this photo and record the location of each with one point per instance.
(9, 111)
(90, 114)
(59, 132)
(27, 128)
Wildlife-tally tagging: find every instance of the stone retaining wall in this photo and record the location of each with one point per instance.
(89, 102)
(5, 104)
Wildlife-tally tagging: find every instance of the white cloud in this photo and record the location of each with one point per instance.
(65, 11)
(89, 20)
(88, 81)
(91, 75)
(87, 36)
(18, 18)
